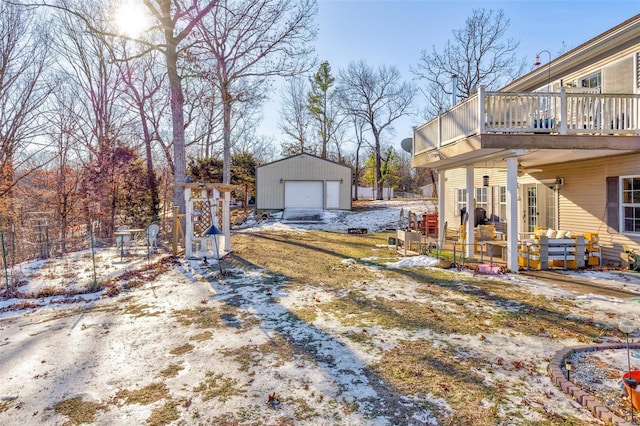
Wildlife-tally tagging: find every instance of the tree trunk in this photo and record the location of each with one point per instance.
(227, 99)
(226, 130)
(177, 121)
(357, 173)
(433, 183)
(379, 182)
(151, 177)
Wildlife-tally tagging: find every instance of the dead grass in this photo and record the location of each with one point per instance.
(218, 386)
(421, 368)
(139, 311)
(171, 371)
(78, 410)
(163, 415)
(144, 396)
(275, 353)
(277, 348)
(216, 317)
(320, 253)
(181, 350)
(306, 314)
(201, 337)
(455, 304)
(301, 408)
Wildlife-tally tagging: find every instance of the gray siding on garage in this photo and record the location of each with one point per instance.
(270, 179)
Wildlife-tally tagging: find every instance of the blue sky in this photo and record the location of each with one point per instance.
(394, 32)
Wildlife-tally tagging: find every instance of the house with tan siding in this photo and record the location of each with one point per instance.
(558, 148)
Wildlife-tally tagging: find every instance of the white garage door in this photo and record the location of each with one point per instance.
(303, 195)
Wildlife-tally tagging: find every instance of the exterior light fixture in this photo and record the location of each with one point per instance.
(485, 180)
(568, 366)
(557, 184)
(281, 180)
(214, 231)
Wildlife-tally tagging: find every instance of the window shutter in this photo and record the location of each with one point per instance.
(613, 211)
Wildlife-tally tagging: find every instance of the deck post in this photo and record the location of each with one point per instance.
(481, 120)
(564, 114)
(469, 250)
(441, 213)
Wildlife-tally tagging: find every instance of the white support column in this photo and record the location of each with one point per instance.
(441, 212)
(188, 231)
(226, 220)
(469, 249)
(512, 214)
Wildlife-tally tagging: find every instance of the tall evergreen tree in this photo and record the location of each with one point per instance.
(320, 103)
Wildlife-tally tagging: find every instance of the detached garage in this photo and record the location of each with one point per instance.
(303, 181)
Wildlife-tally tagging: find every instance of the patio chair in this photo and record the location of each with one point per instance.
(152, 236)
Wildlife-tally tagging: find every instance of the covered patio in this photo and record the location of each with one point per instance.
(522, 135)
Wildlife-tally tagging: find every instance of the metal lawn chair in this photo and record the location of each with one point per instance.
(152, 236)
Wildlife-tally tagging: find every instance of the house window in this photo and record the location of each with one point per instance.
(592, 81)
(630, 205)
(502, 203)
(461, 200)
(481, 197)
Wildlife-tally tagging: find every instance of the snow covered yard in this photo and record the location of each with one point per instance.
(302, 327)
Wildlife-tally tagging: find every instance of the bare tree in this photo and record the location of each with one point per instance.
(339, 135)
(377, 97)
(206, 127)
(66, 197)
(478, 54)
(250, 42)
(176, 21)
(295, 118)
(23, 91)
(84, 59)
(359, 126)
(143, 82)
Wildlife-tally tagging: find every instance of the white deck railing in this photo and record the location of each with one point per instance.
(532, 112)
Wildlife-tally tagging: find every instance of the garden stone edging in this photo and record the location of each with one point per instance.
(591, 403)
